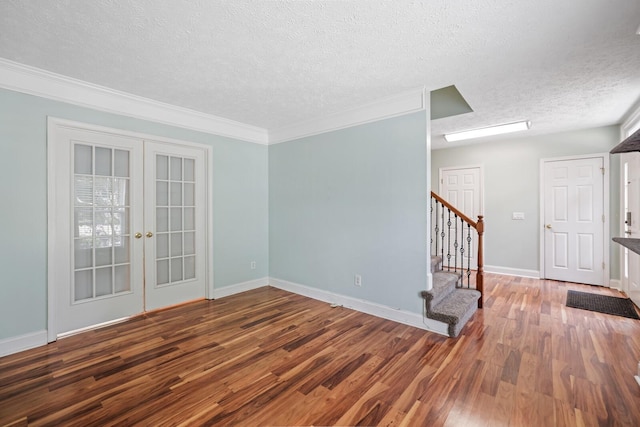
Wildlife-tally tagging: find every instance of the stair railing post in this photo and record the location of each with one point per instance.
(468, 256)
(442, 235)
(449, 241)
(455, 242)
(480, 271)
(431, 231)
(437, 229)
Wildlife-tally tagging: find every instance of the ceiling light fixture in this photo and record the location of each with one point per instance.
(492, 130)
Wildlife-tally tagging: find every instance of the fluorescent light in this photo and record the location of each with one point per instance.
(492, 130)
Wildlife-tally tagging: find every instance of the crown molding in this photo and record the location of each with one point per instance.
(34, 81)
(384, 108)
(630, 120)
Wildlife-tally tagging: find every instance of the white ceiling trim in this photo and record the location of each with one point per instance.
(38, 82)
(34, 81)
(384, 108)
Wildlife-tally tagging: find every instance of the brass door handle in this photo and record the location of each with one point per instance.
(149, 234)
(548, 226)
(137, 235)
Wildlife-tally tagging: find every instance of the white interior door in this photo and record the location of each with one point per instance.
(631, 223)
(96, 260)
(573, 197)
(127, 226)
(175, 209)
(462, 187)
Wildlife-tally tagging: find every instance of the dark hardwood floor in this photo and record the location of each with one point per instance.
(268, 357)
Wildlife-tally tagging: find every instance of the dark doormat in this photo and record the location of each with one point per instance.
(602, 304)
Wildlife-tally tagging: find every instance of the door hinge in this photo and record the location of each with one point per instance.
(602, 169)
(603, 218)
(603, 265)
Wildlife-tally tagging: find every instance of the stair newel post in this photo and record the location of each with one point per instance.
(480, 270)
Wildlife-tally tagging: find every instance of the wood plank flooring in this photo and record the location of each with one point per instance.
(268, 357)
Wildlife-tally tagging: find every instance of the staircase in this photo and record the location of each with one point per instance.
(448, 303)
(455, 295)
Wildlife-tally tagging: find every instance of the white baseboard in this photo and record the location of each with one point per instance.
(368, 307)
(615, 284)
(36, 339)
(534, 274)
(22, 342)
(240, 287)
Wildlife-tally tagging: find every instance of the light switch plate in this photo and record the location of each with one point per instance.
(517, 215)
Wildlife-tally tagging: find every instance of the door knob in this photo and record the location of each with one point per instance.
(137, 235)
(149, 234)
(548, 226)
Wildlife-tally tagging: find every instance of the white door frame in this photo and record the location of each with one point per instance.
(605, 208)
(54, 187)
(630, 125)
(481, 167)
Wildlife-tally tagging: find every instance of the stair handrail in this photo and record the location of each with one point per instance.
(479, 227)
(466, 219)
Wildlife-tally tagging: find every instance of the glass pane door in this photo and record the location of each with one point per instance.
(96, 263)
(101, 222)
(175, 210)
(175, 219)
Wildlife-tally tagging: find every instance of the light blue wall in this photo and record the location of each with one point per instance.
(240, 200)
(512, 183)
(349, 202)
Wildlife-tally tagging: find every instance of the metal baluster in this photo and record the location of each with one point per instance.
(449, 240)
(455, 242)
(430, 233)
(442, 235)
(461, 252)
(469, 256)
(436, 229)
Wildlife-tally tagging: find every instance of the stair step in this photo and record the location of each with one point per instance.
(443, 285)
(455, 309)
(436, 263)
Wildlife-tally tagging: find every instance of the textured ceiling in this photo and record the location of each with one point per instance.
(561, 64)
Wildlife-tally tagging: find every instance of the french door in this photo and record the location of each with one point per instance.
(174, 218)
(127, 228)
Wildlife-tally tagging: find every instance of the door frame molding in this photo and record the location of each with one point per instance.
(481, 183)
(605, 209)
(53, 187)
(630, 125)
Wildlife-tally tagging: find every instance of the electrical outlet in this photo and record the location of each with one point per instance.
(253, 265)
(357, 280)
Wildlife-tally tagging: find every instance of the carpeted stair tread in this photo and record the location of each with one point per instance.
(443, 285)
(436, 263)
(447, 303)
(456, 309)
